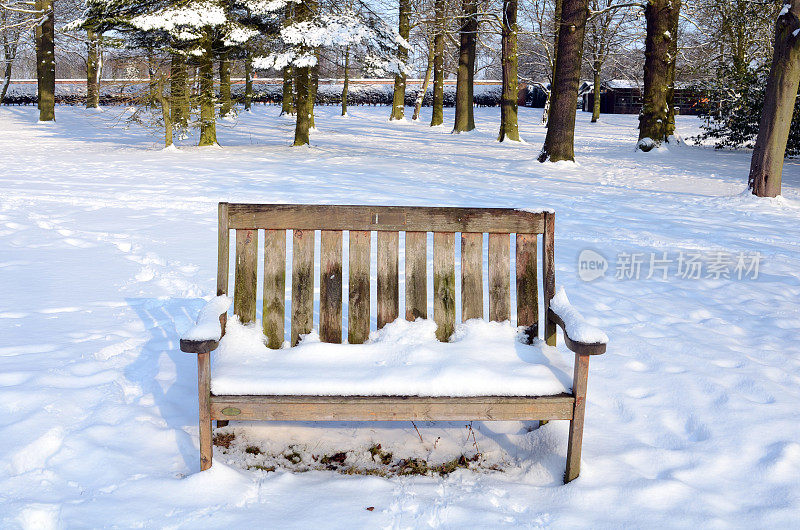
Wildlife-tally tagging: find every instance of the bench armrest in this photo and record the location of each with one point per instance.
(579, 336)
(205, 335)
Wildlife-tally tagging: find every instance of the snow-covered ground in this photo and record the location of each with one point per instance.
(107, 244)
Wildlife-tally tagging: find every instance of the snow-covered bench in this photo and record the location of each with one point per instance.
(408, 369)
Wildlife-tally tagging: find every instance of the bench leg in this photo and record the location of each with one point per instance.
(204, 398)
(579, 383)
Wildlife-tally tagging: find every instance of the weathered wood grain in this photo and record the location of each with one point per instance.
(549, 276)
(273, 309)
(392, 408)
(580, 380)
(499, 277)
(388, 291)
(330, 287)
(245, 282)
(471, 275)
(444, 284)
(527, 289)
(204, 399)
(416, 275)
(223, 243)
(302, 283)
(223, 256)
(358, 296)
(389, 218)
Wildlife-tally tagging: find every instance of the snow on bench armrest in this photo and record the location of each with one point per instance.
(207, 326)
(575, 326)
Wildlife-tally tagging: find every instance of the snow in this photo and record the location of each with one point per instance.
(622, 83)
(208, 326)
(108, 248)
(404, 358)
(577, 328)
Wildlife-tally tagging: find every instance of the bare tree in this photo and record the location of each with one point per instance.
(509, 128)
(404, 28)
(425, 82)
(559, 142)
(437, 114)
(465, 80)
(17, 17)
(604, 37)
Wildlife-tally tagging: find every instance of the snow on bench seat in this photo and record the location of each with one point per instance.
(402, 359)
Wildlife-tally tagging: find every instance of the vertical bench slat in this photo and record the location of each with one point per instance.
(223, 255)
(499, 277)
(302, 283)
(416, 275)
(549, 274)
(223, 250)
(330, 287)
(527, 290)
(244, 293)
(358, 296)
(444, 284)
(471, 275)
(388, 292)
(273, 310)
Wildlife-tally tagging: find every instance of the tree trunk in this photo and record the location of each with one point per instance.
(302, 125)
(766, 166)
(658, 43)
(165, 112)
(465, 115)
(425, 83)
(596, 102)
(6, 79)
(558, 10)
(94, 66)
(178, 88)
(559, 142)
(226, 104)
(509, 129)
(313, 86)
(346, 86)
(302, 82)
(9, 54)
(399, 96)
(287, 101)
(673, 59)
(208, 124)
(45, 61)
(437, 116)
(151, 76)
(248, 80)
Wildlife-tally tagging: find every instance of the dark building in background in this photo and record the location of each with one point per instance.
(620, 96)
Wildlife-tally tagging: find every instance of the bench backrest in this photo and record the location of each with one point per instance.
(388, 221)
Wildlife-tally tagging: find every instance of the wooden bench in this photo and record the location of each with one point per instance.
(248, 220)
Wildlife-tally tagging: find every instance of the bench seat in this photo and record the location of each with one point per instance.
(402, 359)
(394, 367)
